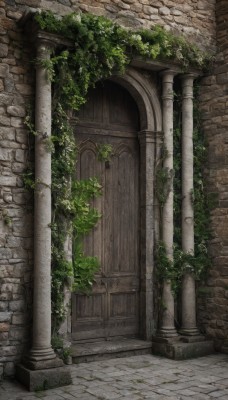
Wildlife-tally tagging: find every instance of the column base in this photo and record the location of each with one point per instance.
(43, 379)
(189, 332)
(167, 333)
(42, 359)
(36, 364)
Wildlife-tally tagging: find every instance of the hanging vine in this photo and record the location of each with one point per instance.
(98, 49)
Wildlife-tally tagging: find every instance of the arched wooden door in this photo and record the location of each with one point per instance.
(110, 116)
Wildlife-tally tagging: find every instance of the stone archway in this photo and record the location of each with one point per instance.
(153, 121)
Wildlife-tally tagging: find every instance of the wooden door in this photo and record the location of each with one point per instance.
(110, 117)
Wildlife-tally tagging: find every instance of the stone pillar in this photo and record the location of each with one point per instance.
(167, 328)
(188, 283)
(42, 356)
(147, 153)
(41, 345)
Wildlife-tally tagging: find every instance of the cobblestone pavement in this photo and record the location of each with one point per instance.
(136, 378)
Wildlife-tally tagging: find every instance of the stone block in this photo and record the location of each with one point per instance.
(20, 155)
(4, 327)
(17, 305)
(19, 319)
(150, 10)
(4, 336)
(24, 88)
(183, 351)
(8, 181)
(5, 253)
(7, 197)
(13, 241)
(17, 122)
(20, 334)
(5, 316)
(22, 136)
(164, 11)
(16, 111)
(7, 351)
(7, 133)
(3, 305)
(4, 70)
(3, 50)
(5, 154)
(43, 379)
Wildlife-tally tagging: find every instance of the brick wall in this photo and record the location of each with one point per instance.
(196, 19)
(213, 300)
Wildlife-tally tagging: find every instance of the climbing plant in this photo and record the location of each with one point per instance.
(203, 202)
(97, 49)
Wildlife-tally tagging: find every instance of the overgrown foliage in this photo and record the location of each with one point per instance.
(98, 48)
(72, 215)
(199, 263)
(202, 200)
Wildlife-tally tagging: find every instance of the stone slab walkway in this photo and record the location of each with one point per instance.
(137, 378)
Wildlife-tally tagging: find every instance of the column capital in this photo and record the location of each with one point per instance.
(168, 75)
(44, 48)
(167, 84)
(189, 76)
(187, 85)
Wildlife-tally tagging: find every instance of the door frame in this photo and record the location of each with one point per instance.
(143, 88)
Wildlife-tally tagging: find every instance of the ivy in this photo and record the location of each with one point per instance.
(72, 215)
(97, 49)
(105, 152)
(106, 45)
(199, 263)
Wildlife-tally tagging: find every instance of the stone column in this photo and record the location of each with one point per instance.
(167, 328)
(42, 368)
(147, 153)
(41, 344)
(188, 283)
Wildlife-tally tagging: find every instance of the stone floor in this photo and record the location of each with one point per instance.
(136, 378)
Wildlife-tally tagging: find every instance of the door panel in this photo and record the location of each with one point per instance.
(110, 116)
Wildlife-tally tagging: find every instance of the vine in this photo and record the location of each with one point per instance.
(203, 202)
(105, 152)
(98, 49)
(72, 215)
(200, 262)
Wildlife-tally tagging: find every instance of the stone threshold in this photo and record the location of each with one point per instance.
(87, 352)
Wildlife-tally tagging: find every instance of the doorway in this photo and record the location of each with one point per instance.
(111, 117)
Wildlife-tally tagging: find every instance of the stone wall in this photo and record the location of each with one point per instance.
(213, 300)
(193, 18)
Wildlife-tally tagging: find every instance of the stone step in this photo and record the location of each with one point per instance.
(178, 350)
(86, 352)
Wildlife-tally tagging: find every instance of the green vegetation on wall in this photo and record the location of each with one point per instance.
(98, 48)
